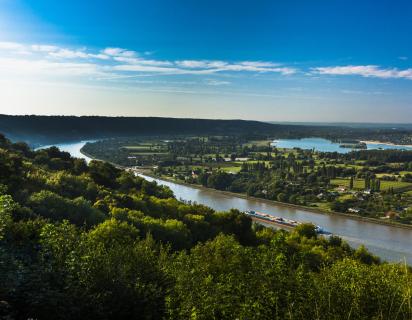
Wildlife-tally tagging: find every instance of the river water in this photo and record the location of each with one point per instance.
(389, 242)
(72, 147)
(324, 145)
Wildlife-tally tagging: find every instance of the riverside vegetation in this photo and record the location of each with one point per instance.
(369, 183)
(92, 241)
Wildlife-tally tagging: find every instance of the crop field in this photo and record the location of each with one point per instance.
(360, 184)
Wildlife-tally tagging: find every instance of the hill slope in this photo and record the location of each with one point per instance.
(89, 241)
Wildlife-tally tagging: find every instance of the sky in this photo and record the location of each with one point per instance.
(290, 60)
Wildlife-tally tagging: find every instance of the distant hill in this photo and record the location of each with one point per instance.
(51, 129)
(361, 125)
(43, 130)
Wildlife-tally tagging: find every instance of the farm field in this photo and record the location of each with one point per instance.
(360, 184)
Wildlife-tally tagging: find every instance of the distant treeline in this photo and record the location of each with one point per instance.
(40, 130)
(52, 129)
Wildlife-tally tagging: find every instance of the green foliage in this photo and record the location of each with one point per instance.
(94, 242)
(72, 186)
(103, 173)
(359, 291)
(120, 281)
(113, 233)
(7, 205)
(53, 206)
(306, 230)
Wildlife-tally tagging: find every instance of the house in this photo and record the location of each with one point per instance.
(341, 189)
(393, 215)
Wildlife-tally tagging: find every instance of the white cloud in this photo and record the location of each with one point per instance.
(259, 64)
(366, 71)
(119, 52)
(214, 66)
(73, 54)
(255, 68)
(201, 64)
(11, 46)
(26, 67)
(100, 56)
(140, 61)
(116, 63)
(214, 82)
(68, 54)
(43, 48)
(15, 48)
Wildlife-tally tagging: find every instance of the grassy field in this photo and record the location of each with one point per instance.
(231, 169)
(147, 153)
(360, 184)
(259, 143)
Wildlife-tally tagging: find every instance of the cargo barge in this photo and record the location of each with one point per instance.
(282, 222)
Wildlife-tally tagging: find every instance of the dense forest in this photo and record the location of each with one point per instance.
(90, 241)
(43, 130)
(52, 129)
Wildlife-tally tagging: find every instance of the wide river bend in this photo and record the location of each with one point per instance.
(389, 242)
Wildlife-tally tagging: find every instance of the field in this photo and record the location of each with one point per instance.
(385, 185)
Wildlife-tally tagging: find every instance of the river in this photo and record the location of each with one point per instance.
(71, 147)
(389, 242)
(324, 145)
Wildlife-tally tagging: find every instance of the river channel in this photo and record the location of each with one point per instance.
(389, 242)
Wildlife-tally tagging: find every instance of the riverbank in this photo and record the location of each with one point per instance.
(148, 173)
(282, 204)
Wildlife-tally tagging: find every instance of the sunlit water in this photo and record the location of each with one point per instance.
(390, 243)
(324, 145)
(73, 148)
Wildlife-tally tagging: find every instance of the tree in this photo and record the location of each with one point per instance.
(219, 180)
(7, 205)
(103, 173)
(57, 208)
(282, 197)
(306, 230)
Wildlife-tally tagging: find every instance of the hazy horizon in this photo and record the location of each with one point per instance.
(327, 123)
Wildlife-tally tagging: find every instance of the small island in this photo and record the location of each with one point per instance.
(357, 145)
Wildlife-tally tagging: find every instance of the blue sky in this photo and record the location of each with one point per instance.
(265, 60)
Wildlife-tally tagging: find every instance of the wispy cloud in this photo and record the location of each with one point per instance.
(117, 62)
(214, 82)
(73, 54)
(119, 52)
(26, 67)
(366, 71)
